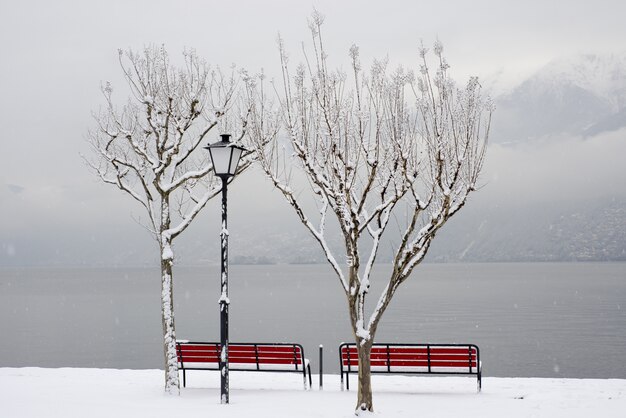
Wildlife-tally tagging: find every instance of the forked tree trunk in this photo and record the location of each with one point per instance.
(364, 396)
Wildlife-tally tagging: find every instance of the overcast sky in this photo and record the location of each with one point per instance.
(55, 54)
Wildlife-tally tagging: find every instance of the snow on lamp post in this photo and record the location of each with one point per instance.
(225, 158)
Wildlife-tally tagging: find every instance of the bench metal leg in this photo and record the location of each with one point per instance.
(304, 371)
(184, 378)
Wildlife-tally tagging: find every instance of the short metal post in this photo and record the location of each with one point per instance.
(321, 367)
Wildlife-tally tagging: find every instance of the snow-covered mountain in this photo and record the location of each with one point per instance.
(579, 95)
(604, 75)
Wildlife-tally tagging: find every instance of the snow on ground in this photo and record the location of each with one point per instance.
(69, 392)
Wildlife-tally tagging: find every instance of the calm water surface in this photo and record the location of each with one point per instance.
(534, 320)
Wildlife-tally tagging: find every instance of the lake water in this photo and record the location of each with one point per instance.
(532, 320)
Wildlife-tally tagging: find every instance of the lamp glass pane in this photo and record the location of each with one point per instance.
(221, 159)
(234, 160)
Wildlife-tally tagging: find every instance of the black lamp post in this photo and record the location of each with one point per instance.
(225, 158)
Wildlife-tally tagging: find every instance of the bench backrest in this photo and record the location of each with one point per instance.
(417, 358)
(205, 353)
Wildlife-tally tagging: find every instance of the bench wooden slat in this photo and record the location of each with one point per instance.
(240, 361)
(265, 361)
(289, 356)
(277, 349)
(261, 349)
(373, 357)
(263, 358)
(410, 350)
(465, 364)
(421, 362)
(192, 347)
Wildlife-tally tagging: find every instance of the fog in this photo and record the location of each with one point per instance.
(556, 169)
(57, 54)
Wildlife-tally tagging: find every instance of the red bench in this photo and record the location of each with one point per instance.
(463, 359)
(265, 357)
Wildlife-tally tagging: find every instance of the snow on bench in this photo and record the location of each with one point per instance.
(447, 359)
(261, 357)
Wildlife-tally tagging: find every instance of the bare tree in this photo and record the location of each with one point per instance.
(369, 156)
(149, 149)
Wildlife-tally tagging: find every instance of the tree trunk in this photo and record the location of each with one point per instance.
(172, 385)
(364, 396)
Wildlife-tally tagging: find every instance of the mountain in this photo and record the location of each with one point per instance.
(581, 95)
(573, 230)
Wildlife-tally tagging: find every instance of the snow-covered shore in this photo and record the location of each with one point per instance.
(69, 392)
